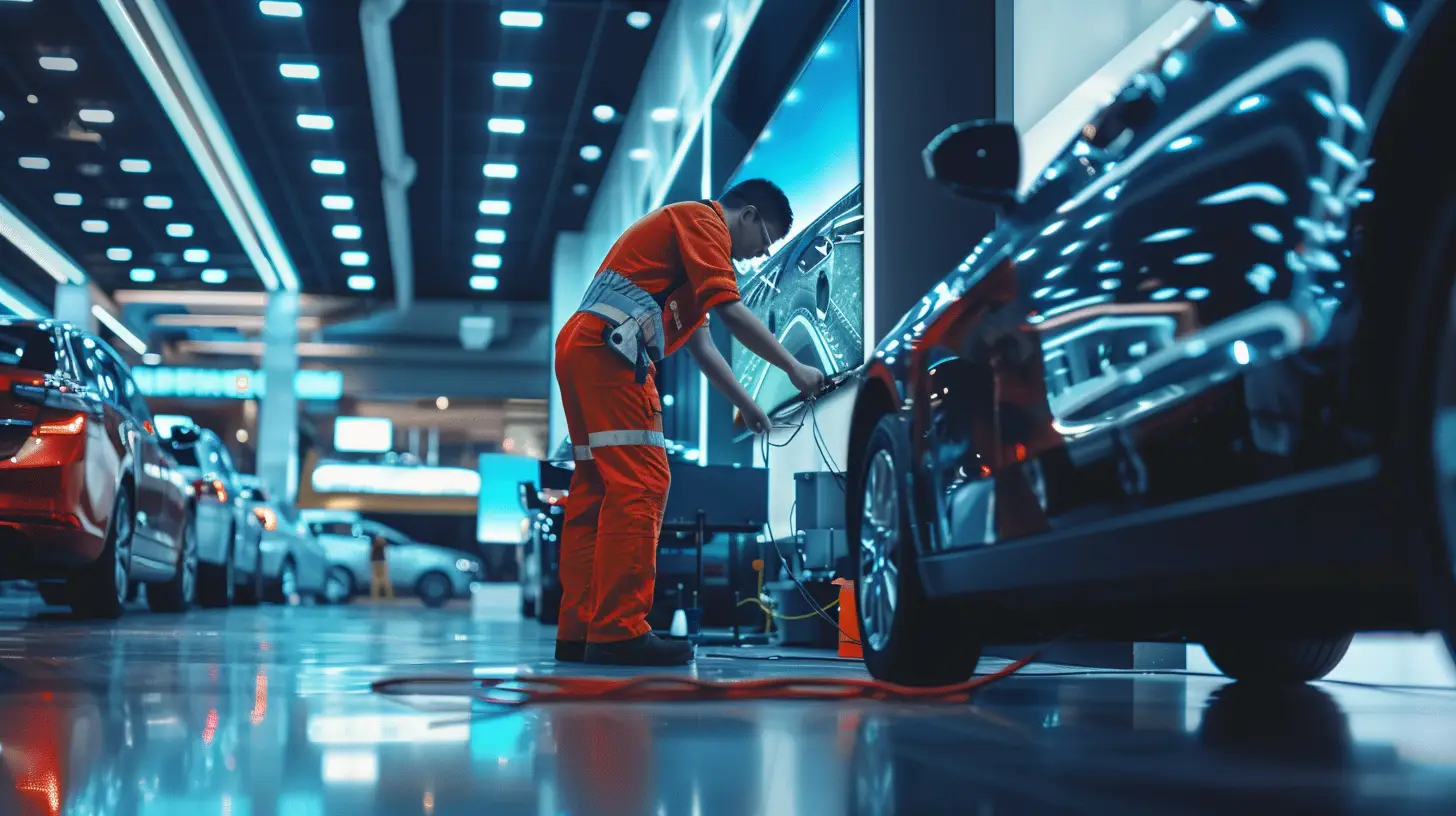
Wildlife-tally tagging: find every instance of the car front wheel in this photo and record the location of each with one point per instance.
(434, 589)
(906, 637)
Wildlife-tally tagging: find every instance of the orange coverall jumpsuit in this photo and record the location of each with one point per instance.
(680, 254)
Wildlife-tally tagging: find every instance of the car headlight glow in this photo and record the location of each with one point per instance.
(466, 565)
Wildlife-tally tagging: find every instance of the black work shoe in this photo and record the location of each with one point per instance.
(648, 650)
(570, 651)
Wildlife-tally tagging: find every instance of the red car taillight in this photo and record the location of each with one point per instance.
(267, 518)
(73, 425)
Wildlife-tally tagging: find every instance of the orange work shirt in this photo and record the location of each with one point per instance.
(680, 254)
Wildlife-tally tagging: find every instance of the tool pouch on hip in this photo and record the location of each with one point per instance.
(634, 319)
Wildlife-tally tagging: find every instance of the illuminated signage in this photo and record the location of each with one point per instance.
(363, 434)
(238, 383)
(499, 515)
(349, 477)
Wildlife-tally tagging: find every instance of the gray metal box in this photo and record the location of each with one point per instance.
(820, 501)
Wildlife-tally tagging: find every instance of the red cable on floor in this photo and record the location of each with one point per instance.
(544, 689)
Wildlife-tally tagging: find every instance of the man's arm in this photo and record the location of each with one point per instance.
(756, 337)
(720, 375)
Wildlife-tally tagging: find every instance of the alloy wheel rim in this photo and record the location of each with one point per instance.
(120, 569)
(334, 587)
(879, 544)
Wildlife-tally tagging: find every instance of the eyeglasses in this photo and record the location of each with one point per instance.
(767, 239)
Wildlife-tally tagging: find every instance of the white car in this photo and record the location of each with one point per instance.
(435, 574)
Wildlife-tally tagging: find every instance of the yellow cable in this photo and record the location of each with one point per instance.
(770, 612)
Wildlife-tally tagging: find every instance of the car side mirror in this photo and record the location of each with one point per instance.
(977, 160)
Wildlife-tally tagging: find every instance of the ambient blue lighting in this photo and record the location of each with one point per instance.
(348, 232)
(327, 167)
(1175, 65)
(1224, 18)
(67, 199)
(214, 277)
(315, 121)
(604, 113)
(1251, 103)
(338, 202)
(511, 79)
(354, 258)
(1164, 294)
(143, 275)
(522, 19)
(196, 256)
(238, 383)
(484, 283)
(490, 236)
(1392, 16)
(179, 230)
(1196, 293)
(486, 261)
(361, 283)
(498, 124)
(590, 153)
(136, 166)
(1183, 143)
(157, 202)
(299, 70)
(500, 171)
(495, 206)
(118, 254)
(273, 8)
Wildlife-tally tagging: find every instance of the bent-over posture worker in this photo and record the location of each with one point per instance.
(650, 296)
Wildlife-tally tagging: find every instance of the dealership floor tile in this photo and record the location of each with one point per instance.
(269, 711)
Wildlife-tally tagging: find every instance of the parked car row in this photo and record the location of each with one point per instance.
(95, 503)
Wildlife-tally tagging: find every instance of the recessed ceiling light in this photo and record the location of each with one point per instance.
(89, 169)
(95, 226)
(35, 162)
(500, 125)
(486, 261)
(299, 70)
(361, 283)
(142, 275)
(32, 99)
(511, 79)
(354, 258)
(591, 152)
(664, 114)
(348, 232)
(338, 202)
(490, 236)
(581, 188)
(118, 254)
(641, 154)
(495, 206)
(501, 171)
(522, 19)
(198, 256)
(214, 276)
(136, 166)
(157, 202)
(484, 283)
(604, 113)
(639, 19)
(68, 199)
(273, 8)
(179, 230)
(315, 121)
(327, 167)
(58, 63)
(97, 116)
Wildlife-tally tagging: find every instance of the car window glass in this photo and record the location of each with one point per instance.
(28, 347)
(90, 369)
(108, 376)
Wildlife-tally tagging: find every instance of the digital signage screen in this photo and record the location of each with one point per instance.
(811, 292)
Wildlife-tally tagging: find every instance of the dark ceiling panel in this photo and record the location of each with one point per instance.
(85, 158)
(446, 52)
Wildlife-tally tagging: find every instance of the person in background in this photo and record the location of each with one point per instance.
(379, 583)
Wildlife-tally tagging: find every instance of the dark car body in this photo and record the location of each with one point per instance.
(1159, 401)
(77, 442)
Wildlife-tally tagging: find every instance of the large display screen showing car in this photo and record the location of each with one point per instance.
(810, 293)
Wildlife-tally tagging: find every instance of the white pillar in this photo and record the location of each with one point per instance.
(278, 418)
(73, 305)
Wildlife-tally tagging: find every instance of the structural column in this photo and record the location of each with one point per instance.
(73, 305)
(278, 417)
(927, 65)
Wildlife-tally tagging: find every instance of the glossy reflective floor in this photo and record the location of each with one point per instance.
(268, 711)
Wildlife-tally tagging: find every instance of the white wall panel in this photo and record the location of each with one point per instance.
(569, 275)
(1070, 56)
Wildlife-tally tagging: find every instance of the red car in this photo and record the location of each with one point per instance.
(91, 503)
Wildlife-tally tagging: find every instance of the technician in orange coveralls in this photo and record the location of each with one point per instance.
(655, 288)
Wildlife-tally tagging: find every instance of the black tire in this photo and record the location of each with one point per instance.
(906, 638)
(1278, 661)
(528, 608)
(286, 585)
(434, 589)
(252, 591)
(338, 586)
(216, 588)
(178, 593)
(100, 589)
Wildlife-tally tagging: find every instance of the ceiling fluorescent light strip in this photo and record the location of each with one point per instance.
(118, 328)
(17, 230)
(212, 149)
(730, 55)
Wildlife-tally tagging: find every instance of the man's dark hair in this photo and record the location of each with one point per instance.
(771, 202)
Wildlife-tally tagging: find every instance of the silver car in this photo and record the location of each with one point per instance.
(294, 562)
(227, 534)
(435, 574)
